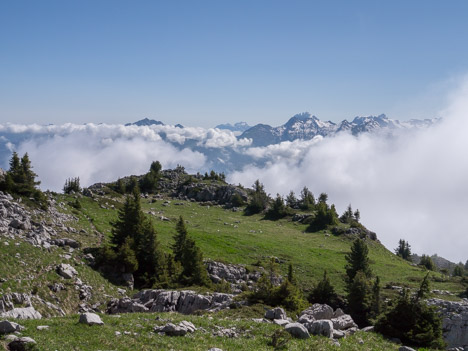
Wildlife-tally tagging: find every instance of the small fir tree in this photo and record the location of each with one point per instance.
(323, 292)
(358, 260)
(258, 201)
(427, 262)
(403, 250)
(291, 200)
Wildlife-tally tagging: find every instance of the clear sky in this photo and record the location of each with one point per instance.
(206, 62)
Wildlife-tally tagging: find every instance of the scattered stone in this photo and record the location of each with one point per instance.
(21, 344)
(91, 319)
(10, 337)
(66, 271)
(226, 332)
(318, 311)
(281, 322)
(215, 349)
(276, 313)
(297, 330)
(368, 329)
(338, 334)
(22, 313)
(345, 321)
(42, 327)
(322, 327)
(66, 242)
(7, 327)
(171, 329)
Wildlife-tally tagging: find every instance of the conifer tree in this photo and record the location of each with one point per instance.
(130, 219)
(323, 292)
(403, 250)
(291, 200)
(358, 260)
(376, 297)
(259, 199)
(190, 257)
(291, 275)
(278, 209)
(427, 262)
(458, 270)
(307, 199)
(360, 298)
(180, 239)
(323, 198)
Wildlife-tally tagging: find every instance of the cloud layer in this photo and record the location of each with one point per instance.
(412, 185)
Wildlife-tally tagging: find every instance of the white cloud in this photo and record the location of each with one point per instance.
(413, 186)
(98, 153)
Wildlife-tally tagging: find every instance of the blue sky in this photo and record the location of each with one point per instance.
(201, 63)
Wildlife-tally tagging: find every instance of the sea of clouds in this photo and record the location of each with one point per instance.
(412, 185)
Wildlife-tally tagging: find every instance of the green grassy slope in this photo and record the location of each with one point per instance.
(137, 334)
(232, 237)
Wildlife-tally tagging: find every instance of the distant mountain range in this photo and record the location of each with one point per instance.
(149, 122)
(305, 126)
(237, 127)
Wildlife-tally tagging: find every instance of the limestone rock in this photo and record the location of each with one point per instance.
(276, 313)
(22, 313)
(345, 321)
(66, 242)
(322, 327)
(454, 321)
(91, 319)
(7, 327)
(125, 305)
(66, 271)
(297, 330)
(318, 311)
(171, 329)
(20, 344)
(281, 322)
(185, 302)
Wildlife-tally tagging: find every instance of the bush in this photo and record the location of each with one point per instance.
(279, 339)
(427, 262)
(72, 185)
(412, 321)
(324, 293)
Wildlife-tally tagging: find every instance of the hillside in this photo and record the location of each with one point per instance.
(35, 242)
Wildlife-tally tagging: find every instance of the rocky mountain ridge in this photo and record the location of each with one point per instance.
(305, 126)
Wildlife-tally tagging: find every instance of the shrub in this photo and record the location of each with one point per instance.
(412, 321)
(72, 185)
(324, 292)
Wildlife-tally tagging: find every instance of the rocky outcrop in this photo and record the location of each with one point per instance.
(7, 327)
(90, 319)
(320, 319)
(17, 222)
(66, 271)
(454, 321)
(237, 275)
(359, 232)
(297, 330)
(22, 313)
(21, 344)
(171, 329)
(220, 194)
(276, 313)
(185, 302)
